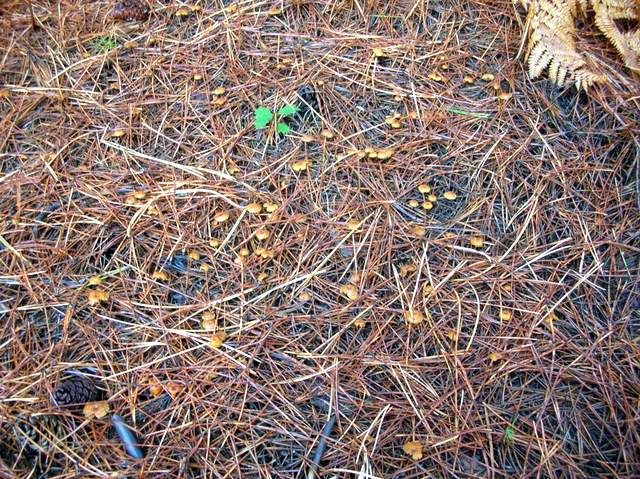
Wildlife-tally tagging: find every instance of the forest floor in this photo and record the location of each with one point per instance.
(432, 258)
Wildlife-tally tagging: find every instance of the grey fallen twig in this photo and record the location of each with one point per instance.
(127, 437)
(322, 444)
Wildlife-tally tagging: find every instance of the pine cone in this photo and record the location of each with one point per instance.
(127, 10)
(76, 390)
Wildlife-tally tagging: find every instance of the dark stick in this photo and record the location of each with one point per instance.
(322, 444)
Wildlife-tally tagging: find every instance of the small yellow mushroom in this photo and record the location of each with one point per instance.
(221, 217)
(427, 205)
(205, 267)
(432, 198)
(505, 315)
(328, 134)
(197, 76)
(550, 319)
(95, 280)
(97, 296)
(194, 255)
(476, 241)
(304, 296)
(262, 276)
(468, 80)
(273, 11)
(265, 253)
(378, 52)
(353, 225)
(262, 234)
(156, 389)
(214, 243)
(424, 188)
(452, 335)
(414, 203)
(413, 316)
(450, 195)
(183, 12)
(254, 208)
(308, 138)
(413, 449)
(487, 77)
(244, 252)
(495, 356)
(160, 275)
(270, 207)
(220, 91)
(419, 231)
(359, 323)
(118, 133)
(209, 322)
(435, 76)
(350, 291)
(385, 154)
(174, 388)
(96, 410)
(300, 165)
(218, 339)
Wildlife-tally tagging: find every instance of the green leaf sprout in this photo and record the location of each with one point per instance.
(263, 117)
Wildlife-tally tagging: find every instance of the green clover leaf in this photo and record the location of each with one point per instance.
(287, 110)
(263, 117)
(283, 128)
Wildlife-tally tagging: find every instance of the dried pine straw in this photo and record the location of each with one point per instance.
(525, 359)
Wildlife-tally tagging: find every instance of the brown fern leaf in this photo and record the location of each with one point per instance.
(627, 43)
(552, 42)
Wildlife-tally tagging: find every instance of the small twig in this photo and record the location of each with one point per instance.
(33, 18)
(322, 445)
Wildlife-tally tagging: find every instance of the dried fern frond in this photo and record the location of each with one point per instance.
(627, 43)
(552, 42)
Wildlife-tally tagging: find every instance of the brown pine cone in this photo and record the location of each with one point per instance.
(76, 390)
(127, 10)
